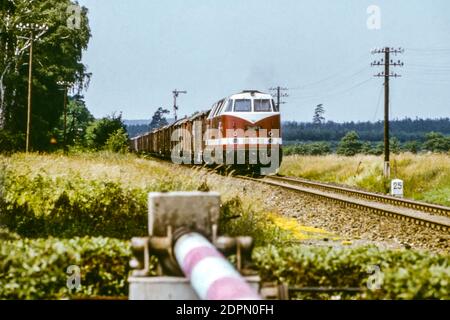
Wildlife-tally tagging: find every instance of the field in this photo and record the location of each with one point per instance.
(82, 210)
(426, 176)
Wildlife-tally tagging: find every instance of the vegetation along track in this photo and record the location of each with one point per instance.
(413, 211)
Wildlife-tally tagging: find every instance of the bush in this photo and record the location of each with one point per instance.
(349, 144)
(394, 145)
(99, 131)
(65, 207)
(405, 274)
(313, 149)
(412, 146)
(117, 141)
(237, 219)
(36, 269)
(436, 142)
(10, 142)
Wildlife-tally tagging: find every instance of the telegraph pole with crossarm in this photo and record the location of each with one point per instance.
(387, 62)
(279, 94)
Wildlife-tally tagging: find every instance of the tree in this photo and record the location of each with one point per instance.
(118, 141)
(10, 142)
(78, 119)
(394, 145)
(436, 142)
(366, 147)
(378, 150)
(412, 146)
(57, 55)
(319, 111)
(99, 131)
(158, 119)
(349, 144)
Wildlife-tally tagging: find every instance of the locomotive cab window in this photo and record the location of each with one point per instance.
(242, 105)
(213, 111)
(219, 107)
(229, 107)
(262, 105)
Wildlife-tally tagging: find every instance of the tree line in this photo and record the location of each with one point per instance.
(351, 144)
(405, 130)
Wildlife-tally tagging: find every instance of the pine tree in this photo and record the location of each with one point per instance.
(319, 111)
(158, 119)
(350, 144)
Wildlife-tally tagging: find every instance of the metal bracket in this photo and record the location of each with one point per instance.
(173, 214)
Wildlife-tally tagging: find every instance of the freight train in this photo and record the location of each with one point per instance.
(242, 130)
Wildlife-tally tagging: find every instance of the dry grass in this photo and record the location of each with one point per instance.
(426, 176)
(149, 174)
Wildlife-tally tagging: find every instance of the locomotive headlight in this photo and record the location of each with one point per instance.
(235, 134)
(270, 133)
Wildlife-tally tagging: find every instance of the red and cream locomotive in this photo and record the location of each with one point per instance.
(240, 130)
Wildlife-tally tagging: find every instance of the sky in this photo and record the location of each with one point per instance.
(141, 50)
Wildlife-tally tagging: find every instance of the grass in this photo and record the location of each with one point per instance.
(55, 195)
(426, 176)
(82, 209)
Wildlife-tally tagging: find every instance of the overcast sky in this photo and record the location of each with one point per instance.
(320, 49)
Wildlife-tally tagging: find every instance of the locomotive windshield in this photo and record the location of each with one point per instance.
(262, 105)
(242, 105)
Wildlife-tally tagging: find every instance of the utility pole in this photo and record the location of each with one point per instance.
(386, 74)
(65, 85)
(32, 28)
(176, 93)
(30, 84)
(279, 94)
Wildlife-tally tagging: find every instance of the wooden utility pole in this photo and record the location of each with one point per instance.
(278, 93)
(387, 62)
(30, 84)
(65, 85)
(65, 119)
(387, 169)
(40, 29)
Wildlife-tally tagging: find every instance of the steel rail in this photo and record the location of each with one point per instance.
(407, 214)
(407, 203)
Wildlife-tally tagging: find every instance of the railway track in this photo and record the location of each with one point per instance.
(429, 215)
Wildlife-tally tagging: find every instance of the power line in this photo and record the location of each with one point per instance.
(378, 103)
(341, 82)
(357, 85)
(333, 75)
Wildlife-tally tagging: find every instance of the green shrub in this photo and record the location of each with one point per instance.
(10, 142)
(117, 141)
(405, 274)
(436, 142)
(65, 207)
(313, 149)
(412, 146)
(238, 219)
(98, 132)
(349, 144)
(37, 269)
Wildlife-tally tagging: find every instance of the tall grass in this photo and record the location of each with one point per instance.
(426, 176)
(105, 194)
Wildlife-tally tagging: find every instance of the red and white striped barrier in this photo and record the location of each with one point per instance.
(212, 276)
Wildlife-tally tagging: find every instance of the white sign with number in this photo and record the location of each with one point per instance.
(397, 188)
